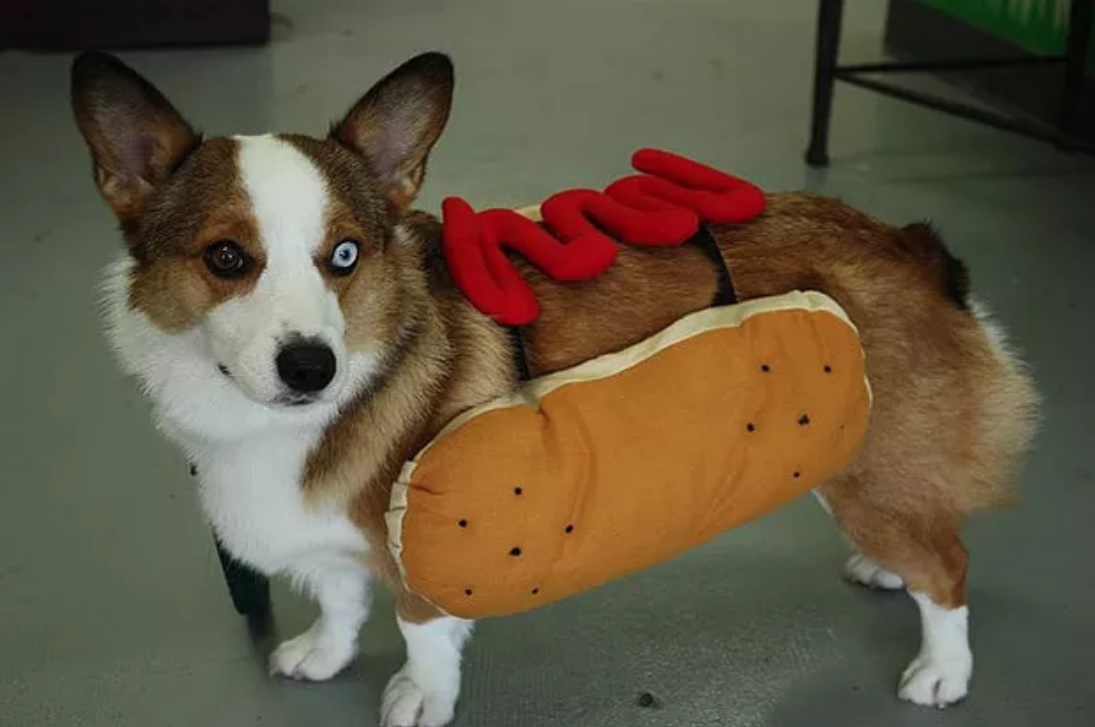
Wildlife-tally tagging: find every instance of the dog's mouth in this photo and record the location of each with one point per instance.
(295, 401)
(289, 399)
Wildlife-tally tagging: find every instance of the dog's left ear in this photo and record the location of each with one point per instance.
(395, 125)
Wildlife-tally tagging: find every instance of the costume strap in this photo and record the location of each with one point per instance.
(705, 241)
(724, 295)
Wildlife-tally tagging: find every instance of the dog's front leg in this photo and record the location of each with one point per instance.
(342, 589)
(424, 692)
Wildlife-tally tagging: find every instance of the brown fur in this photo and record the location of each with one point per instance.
(951, 415)
(172, 194)
(203, 203)
(135, 135)
(415, 100)
(379, 298)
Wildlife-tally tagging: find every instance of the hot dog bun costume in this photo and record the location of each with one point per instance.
(595, 472)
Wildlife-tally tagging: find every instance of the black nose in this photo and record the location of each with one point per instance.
(306, 366)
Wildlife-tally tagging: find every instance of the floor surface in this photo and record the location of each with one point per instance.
(112, 607)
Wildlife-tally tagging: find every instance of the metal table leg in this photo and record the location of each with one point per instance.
(249, 589)
(1064, 134)
(830, 15)
(1081, 16)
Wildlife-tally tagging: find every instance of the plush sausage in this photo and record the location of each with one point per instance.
(630, 459)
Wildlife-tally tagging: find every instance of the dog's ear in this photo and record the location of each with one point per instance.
(395, 125)
(135, 135)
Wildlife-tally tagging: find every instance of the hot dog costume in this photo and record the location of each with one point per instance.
(589, 474)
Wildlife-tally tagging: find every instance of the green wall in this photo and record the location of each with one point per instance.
(1037, 25)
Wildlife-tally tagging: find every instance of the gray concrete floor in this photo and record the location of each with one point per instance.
(112, 606)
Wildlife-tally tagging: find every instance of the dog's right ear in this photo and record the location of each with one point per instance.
(135, 135)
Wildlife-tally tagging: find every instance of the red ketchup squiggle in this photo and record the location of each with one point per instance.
(662, 206)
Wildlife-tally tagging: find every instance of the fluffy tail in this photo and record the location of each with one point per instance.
(924, 242)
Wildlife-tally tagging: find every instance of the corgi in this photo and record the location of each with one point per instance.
(291, 319)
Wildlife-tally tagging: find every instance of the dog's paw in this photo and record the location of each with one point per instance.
(405, 704)
(935, 682)
(310, 657)
(864, 571)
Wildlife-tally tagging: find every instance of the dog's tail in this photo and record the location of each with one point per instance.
(1008, 409)
(923, 241)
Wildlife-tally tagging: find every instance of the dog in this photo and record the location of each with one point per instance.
(291, 318)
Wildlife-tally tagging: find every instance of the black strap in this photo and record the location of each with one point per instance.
(520, 361)
(725, 295)
(705, 241)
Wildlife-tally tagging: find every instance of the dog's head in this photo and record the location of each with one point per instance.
(277, 257)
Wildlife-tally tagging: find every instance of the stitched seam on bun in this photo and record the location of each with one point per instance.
(397, 510)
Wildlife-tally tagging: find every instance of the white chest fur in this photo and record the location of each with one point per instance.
(250, 491)
(249, 457)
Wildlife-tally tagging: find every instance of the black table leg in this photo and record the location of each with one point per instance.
(1081, 17)
(830, 14)
(249, 589)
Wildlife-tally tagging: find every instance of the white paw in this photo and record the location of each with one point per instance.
(405, 704)
(310, 657)
(864, 571)
(936, 682)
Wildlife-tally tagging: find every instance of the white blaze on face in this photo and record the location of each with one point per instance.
(289, 199)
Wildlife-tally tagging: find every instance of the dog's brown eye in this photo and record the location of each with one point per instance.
(226, 259)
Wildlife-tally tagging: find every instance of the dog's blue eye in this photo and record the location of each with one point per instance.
(344, 257)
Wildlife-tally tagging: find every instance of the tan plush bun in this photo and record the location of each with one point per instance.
(632, 458)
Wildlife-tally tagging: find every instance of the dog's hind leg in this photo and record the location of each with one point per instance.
(862, 570)
(919, 547)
